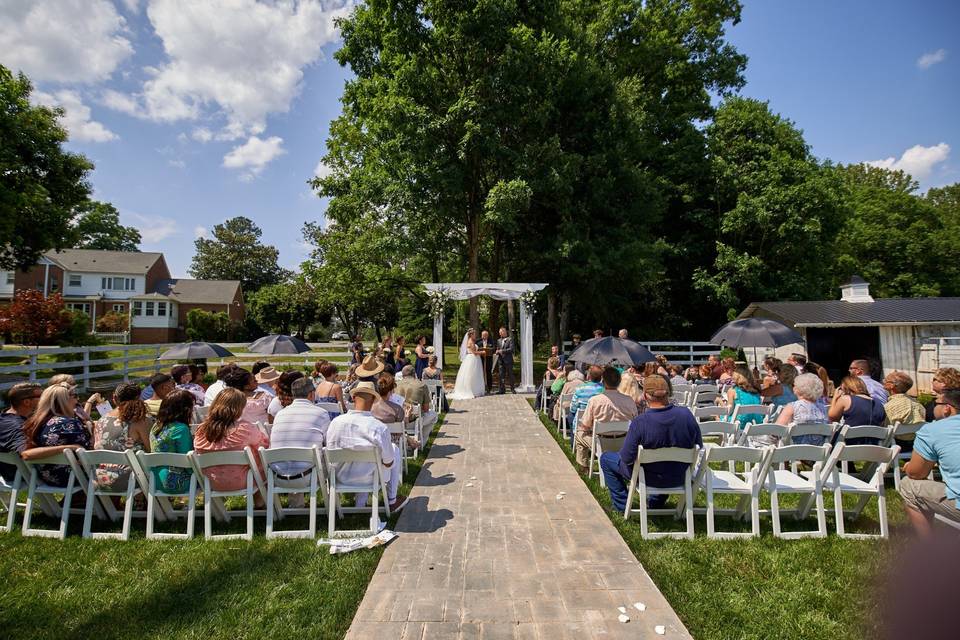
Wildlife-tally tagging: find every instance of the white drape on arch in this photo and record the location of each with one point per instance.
(497, 291)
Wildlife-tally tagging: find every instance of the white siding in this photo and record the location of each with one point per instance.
(6, 289)
(897, 350)
(91, 284)
(154, 321)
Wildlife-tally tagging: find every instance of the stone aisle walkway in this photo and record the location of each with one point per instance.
(487, 550)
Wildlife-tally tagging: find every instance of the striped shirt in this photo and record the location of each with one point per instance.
(905, 410)
(582, 395)
(301, 424)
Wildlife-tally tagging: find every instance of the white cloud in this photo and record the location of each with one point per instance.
(238, 58)
(918, 160)
(76, 116)
(178, 164)
(927, 60)
(133, 6)
(200, 231)
(322, 170)
(63, 40)
(202, 134)
(152, 229)
(119, 102)
(254, 155)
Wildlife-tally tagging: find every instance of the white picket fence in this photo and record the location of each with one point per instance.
(137, 361)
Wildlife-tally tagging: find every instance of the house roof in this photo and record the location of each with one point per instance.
(96, 261)
(838, 312)
(199, 291)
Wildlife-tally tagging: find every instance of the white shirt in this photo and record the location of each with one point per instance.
(213, 391)
(300, 424)
(359, 430)
(274, 407)
(396, 398)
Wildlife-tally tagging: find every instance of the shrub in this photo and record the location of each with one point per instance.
(208, 326)
(113, 322)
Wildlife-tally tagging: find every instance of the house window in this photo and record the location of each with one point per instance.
(161, 308)
(149, 309)
(54, 284)
(118, 284)
(119, 308)
(76, 280)
(10, 276)
(79, 306)
(137, 308)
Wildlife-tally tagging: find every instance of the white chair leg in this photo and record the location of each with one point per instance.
(775, 512)
(31, 492)
(250, 505)
(689, 497)
(150, 506)
(65, 512)
(332, 507)
(313, 504)
(882, 508)
(12, 511)
(207, 510)
(192, 508)
(822, 514)
(88, 509)
(710, 509)
(838, 511)
(644, 526)
(270, 488)
(896, 475)
(755, 514)
(128, 508)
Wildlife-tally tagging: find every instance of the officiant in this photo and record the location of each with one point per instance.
(486, 347)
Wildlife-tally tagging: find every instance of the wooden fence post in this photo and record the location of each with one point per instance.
(33, 366)
(86, 368)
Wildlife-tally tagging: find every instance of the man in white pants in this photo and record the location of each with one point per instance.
(358, 429)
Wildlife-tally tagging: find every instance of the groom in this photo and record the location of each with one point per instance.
(505, 362)
(483, 344)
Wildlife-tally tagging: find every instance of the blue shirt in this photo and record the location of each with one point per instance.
(876, 390)
(582, 395)
(671, 426)
(940, 442)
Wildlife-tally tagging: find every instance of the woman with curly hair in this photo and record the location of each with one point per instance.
(126, 427)
(171, 434)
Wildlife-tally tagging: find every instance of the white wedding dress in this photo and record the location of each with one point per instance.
(470, 382)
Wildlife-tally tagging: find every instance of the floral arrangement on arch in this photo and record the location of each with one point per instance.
(437, 302)
(529, 301)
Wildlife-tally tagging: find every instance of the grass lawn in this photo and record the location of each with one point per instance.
(765, 587)
(234, 589)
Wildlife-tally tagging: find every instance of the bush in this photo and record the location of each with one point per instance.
(208, 326)
(113, 322)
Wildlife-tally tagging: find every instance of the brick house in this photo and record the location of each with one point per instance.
(137, 284)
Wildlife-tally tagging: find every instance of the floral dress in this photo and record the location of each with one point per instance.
(111, 434)
(58, 431)
(173, 438)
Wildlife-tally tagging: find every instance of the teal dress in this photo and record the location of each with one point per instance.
(745, 397)
(173, 438)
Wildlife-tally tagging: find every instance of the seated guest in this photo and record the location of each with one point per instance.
(226, 430)
(126, 427)
(771, 372)
(937, 444)
(714, 366)
(821, 372)
(257, 401)
(901, 408)
(582, 395)
(328, 389)
(743, 391)
(661, 425)
(608, 406)
(162, 385)
(358, 429)
(552, 373)
(22, 398)
(808, 408)
(55, 423)
(574, 380)
(780, 391)
(219, 385)
(727, 366)
(433, 373)
(798, 361)
(556, 387)
(631, 388)
(555, 353)
(284, 392)
(945, 378)
(301, 424)
(266, 378)
(861, 369)
(183, 376)
(86, 410)
(676, 374)
(706, 376)
(171, 434)
(316, 377)
(417, 394)
(384, 409)
(692, 374)
(853, 403)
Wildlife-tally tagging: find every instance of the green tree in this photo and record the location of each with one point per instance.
(236, 253)
(278, 308)
(97, 226)
(40, 183)
(778, 210)
(209, 326)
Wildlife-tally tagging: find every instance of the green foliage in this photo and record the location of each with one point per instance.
(76, 332)
(236, 253)
(40, 183)
(113, 322)
(209, 326)
(280, 308)
(97, 226)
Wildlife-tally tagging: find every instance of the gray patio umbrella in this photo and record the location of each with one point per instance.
(610, 350)
(755, 332)
(276, 343)
(195, 351)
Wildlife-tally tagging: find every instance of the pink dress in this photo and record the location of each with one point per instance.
(256, 409)
(231, 477)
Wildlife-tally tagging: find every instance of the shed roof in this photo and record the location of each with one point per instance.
(838, 312)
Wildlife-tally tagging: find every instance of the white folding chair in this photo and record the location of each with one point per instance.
(710, 412)
(747, 485)
(211, 497)
(278, 485)
(89, 461)
(763, 434)
(766, 410)
(10, 491)
(375, 487)
(564, 403)
(683, 389)
(330, 407)
(879, 436)
(723, 433)
(415, 429)
(840, 482)
(398, 433)
(436, 394)
(606, 436)
(638, 485)
(899, 433)
(76, 481)
(156, 496)
(201, 412)
(706, 397)
(780, 480)
(803, 429)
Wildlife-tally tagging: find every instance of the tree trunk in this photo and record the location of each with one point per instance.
(564, 317)
(553, 327)
(511, 324)
(379, 335)
(473, 265)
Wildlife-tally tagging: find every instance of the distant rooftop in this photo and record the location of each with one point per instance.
(96, 261)
(838, 312)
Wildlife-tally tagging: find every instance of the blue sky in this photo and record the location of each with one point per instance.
(195, 112)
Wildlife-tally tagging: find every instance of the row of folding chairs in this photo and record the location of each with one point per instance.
(319, 476)
(437, 394)
(776, 470)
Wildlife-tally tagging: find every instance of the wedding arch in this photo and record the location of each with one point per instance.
(525, 292)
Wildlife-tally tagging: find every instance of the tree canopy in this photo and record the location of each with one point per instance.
(236, 253)
(97, 226)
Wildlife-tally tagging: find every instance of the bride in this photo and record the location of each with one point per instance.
(470, 382)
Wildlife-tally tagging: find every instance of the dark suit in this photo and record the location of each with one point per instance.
(505, 362)
(485, 360)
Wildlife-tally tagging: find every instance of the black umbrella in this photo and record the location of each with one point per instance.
(610, 350)
(195, 351)
(755, 332)
(276, 343)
